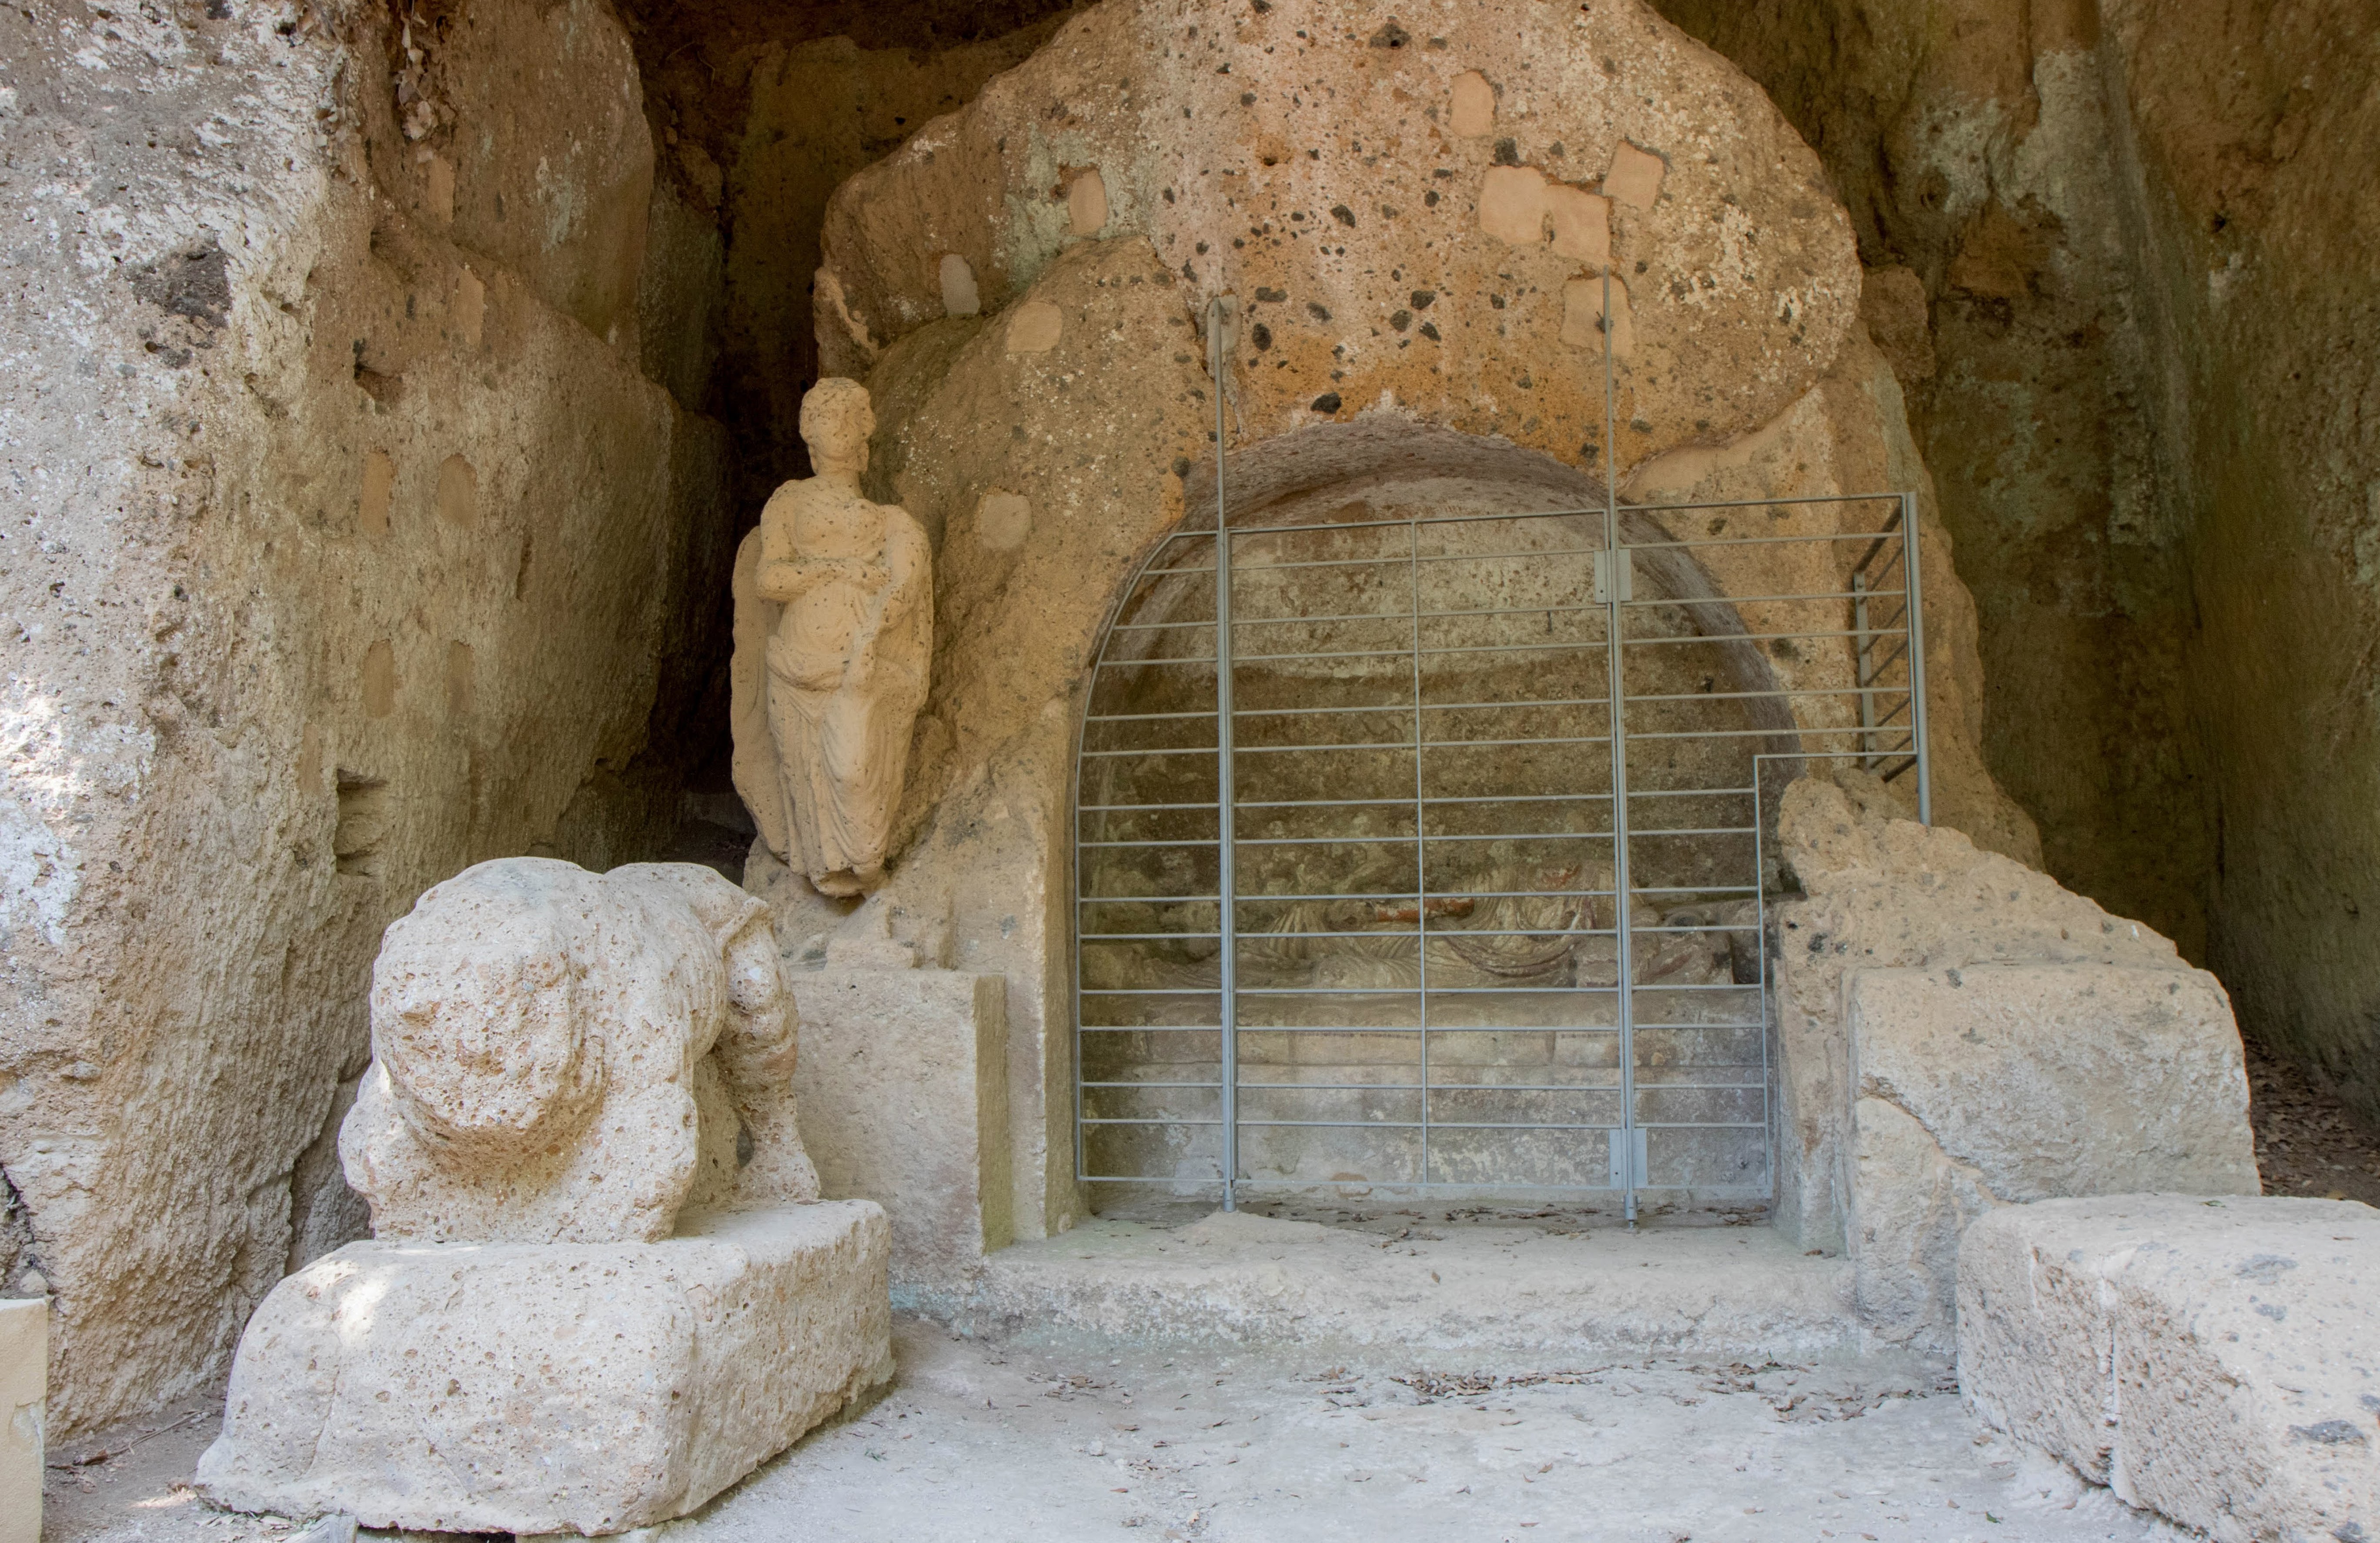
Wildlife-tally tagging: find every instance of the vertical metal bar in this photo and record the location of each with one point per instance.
(1617, 711)
(1913, 608)
(1227, 826)
(1421, 846)
(1863, 650)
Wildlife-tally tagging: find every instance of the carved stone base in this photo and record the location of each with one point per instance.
(588, 1387)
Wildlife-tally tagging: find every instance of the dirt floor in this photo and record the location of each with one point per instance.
(987, 1440)
(2307, 1142)
(981, 1441)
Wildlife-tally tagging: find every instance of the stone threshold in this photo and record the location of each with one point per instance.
(1473, 1294)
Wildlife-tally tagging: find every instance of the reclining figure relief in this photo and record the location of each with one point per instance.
(561, 1056)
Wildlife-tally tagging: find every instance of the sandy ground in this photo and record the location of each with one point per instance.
(980, 1443)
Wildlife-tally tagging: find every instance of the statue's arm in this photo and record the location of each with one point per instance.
(905, 600)
(787, 581)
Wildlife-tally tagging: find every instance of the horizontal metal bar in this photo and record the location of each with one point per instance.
(1090, 1120)
(1445, 931)
(1453, 895)
(1596, 512)
(1459, 1126)
(1155, 750)
(1427, 744)
(1200, 1085)
(1105, 663)
(1408, 801)
(1435, 707)
(1755, 636)
(1746, 696)
(1119, 937)
(1208, 807)
(1803, 730)
(1452, 1186)
(1147, 899)
(1741, 600)
(1405, 839)
(1701, 830)
(1149, 1028)
(1159, 627)
(1142, 717)
(1185, 841)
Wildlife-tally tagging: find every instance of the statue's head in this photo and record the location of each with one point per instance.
(476, 1010)
(836, 421)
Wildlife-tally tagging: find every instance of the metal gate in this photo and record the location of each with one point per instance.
(1429, 852)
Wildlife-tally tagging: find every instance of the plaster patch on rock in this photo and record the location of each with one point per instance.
(1471, 107)
(1003, 521)
(1034, 328)
(1634, 179)
(959, 296)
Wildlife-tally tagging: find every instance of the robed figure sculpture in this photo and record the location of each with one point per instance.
(834, 617)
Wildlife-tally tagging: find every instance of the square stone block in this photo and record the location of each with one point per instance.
(24, 1383)
(902, 1090)
(1999, 1084)
(2215, 1359)
(541, 1388)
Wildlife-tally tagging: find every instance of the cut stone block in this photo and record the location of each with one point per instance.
(588, 1387)
(902, 1085)
(2215, 1360)
(2000, 1084)
(24, 1384)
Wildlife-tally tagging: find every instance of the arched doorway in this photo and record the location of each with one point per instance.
(1445, 873)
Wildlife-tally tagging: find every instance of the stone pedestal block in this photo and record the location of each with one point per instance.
(1996, 1084)
(2213, 1360)
(588, 1387)
(24, 1384)
(902, 1085)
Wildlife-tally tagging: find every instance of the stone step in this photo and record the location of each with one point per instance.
(1456, 1294)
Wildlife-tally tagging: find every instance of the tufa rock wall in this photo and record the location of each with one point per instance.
(342, 539)
(2139, 326)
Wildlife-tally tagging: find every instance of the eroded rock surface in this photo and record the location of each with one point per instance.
(1407, 207)
(346, 539)
(1885, 893)
(2002, 1083)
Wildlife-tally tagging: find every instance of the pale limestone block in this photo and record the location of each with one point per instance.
(1635, 175)
(588, 1387)
(544, 1041)
(24, 1385)
(1471, 107)
(2213, 1360)
(1884, 892)
(2000, 1084)
(1512, 204)
(903, 1094)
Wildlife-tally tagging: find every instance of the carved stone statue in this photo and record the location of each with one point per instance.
(835, 639)
(561, 1056)
(602, 1287)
